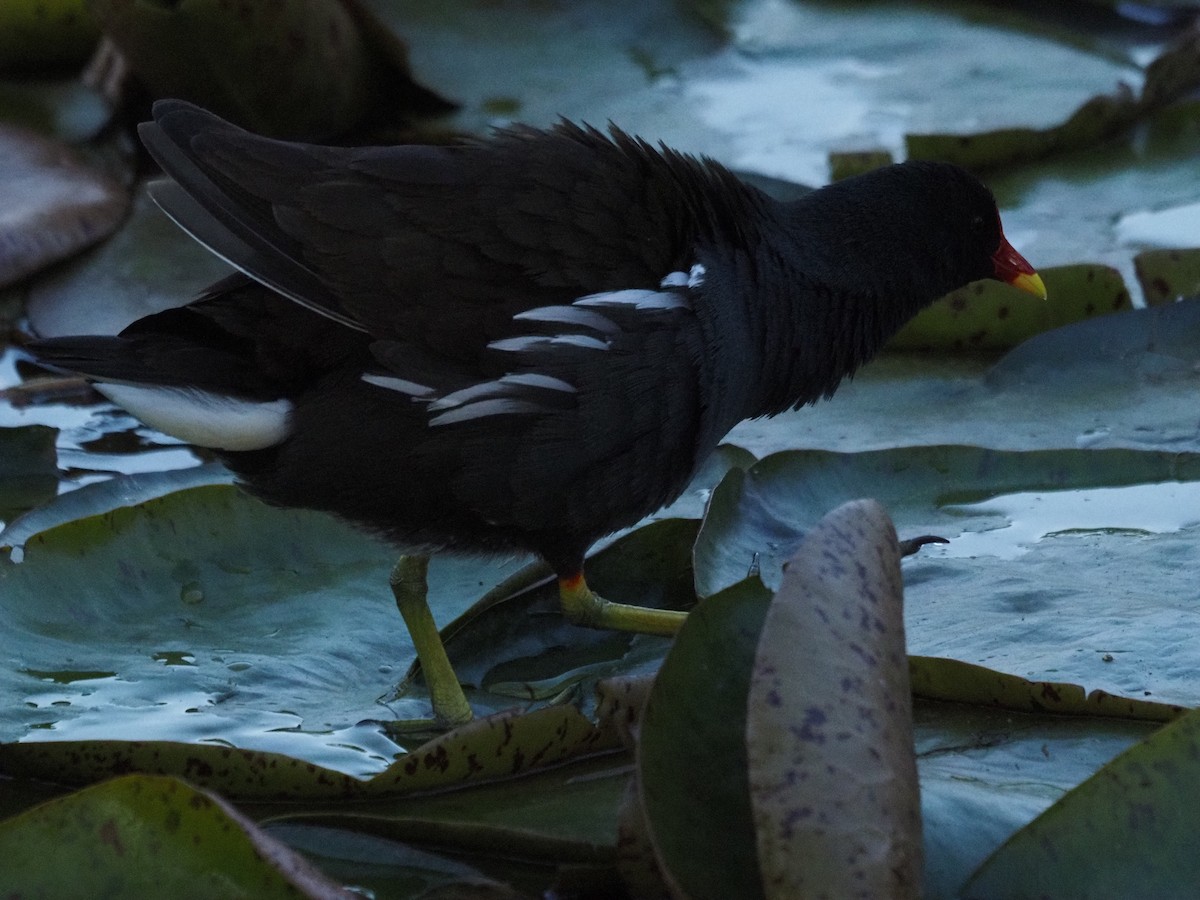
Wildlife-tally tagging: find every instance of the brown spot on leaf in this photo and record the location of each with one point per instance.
(110, 835)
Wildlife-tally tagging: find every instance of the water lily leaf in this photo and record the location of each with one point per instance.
(1168, 275)
(140, 836)
(1108, 354)
(692, 758)
(101, 497)
(381, 867)
(565, 813)
(1128, 831)
(28, 468)
(1172, 75)
(636, 860)
(55, 205)
(620, 703)
(242, 774)
(40, 34)
(833, 777)
(217, 617)
(504, 745)
(149, 265)
(989, 315)
(300, 69)
(934, 678)
(985, 773)
(761, 513)
(1098, 118)
(845, 164)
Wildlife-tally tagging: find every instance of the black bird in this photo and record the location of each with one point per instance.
(519, 343)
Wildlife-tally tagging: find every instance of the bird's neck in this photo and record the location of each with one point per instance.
(824, 320)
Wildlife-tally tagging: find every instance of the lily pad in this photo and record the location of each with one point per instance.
(697, 804)
(1138, 810)
(988, 315)
(41, 34)
(149, 265)
(1171, 76)
(151, 837)
(504, 745)
(227, 607)
(302, 69)
(54, 205)
(761, 513)
(829, 729)
(1168, 275)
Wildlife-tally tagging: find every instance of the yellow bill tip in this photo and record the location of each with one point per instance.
(1030, 282)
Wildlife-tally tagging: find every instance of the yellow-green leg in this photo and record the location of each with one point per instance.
(584, 607)
(410, 588)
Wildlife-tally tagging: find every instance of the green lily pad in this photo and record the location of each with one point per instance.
(301, 69)
(99, 498)
(986, 773)
(988, 315)
(760, 514)
(1168, 275)
(960, 682)
(505, 745)
(238, 612)
(1125, 832)
(1171, 76)
(692, 756)
(564, 813)
(41, 34)
(150, 837)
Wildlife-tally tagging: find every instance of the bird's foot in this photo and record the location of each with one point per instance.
(582, 606)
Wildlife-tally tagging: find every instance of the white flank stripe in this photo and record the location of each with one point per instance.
(535, 342)
(637, 298)
(696, 275)
(537, 380)
(508, 385)
(414, 390)
(568, 315)
(476, 392)
(674, 279)
(498, 406)
(203, 418)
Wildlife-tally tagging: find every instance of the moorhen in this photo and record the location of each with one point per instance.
(523, 342)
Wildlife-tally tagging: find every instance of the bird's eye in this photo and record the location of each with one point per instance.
(977, 222)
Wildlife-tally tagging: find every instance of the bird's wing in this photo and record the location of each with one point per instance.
(448, 243)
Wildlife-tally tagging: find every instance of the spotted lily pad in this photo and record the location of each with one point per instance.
(829, 727)
(1168, 275)
(988, 315)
